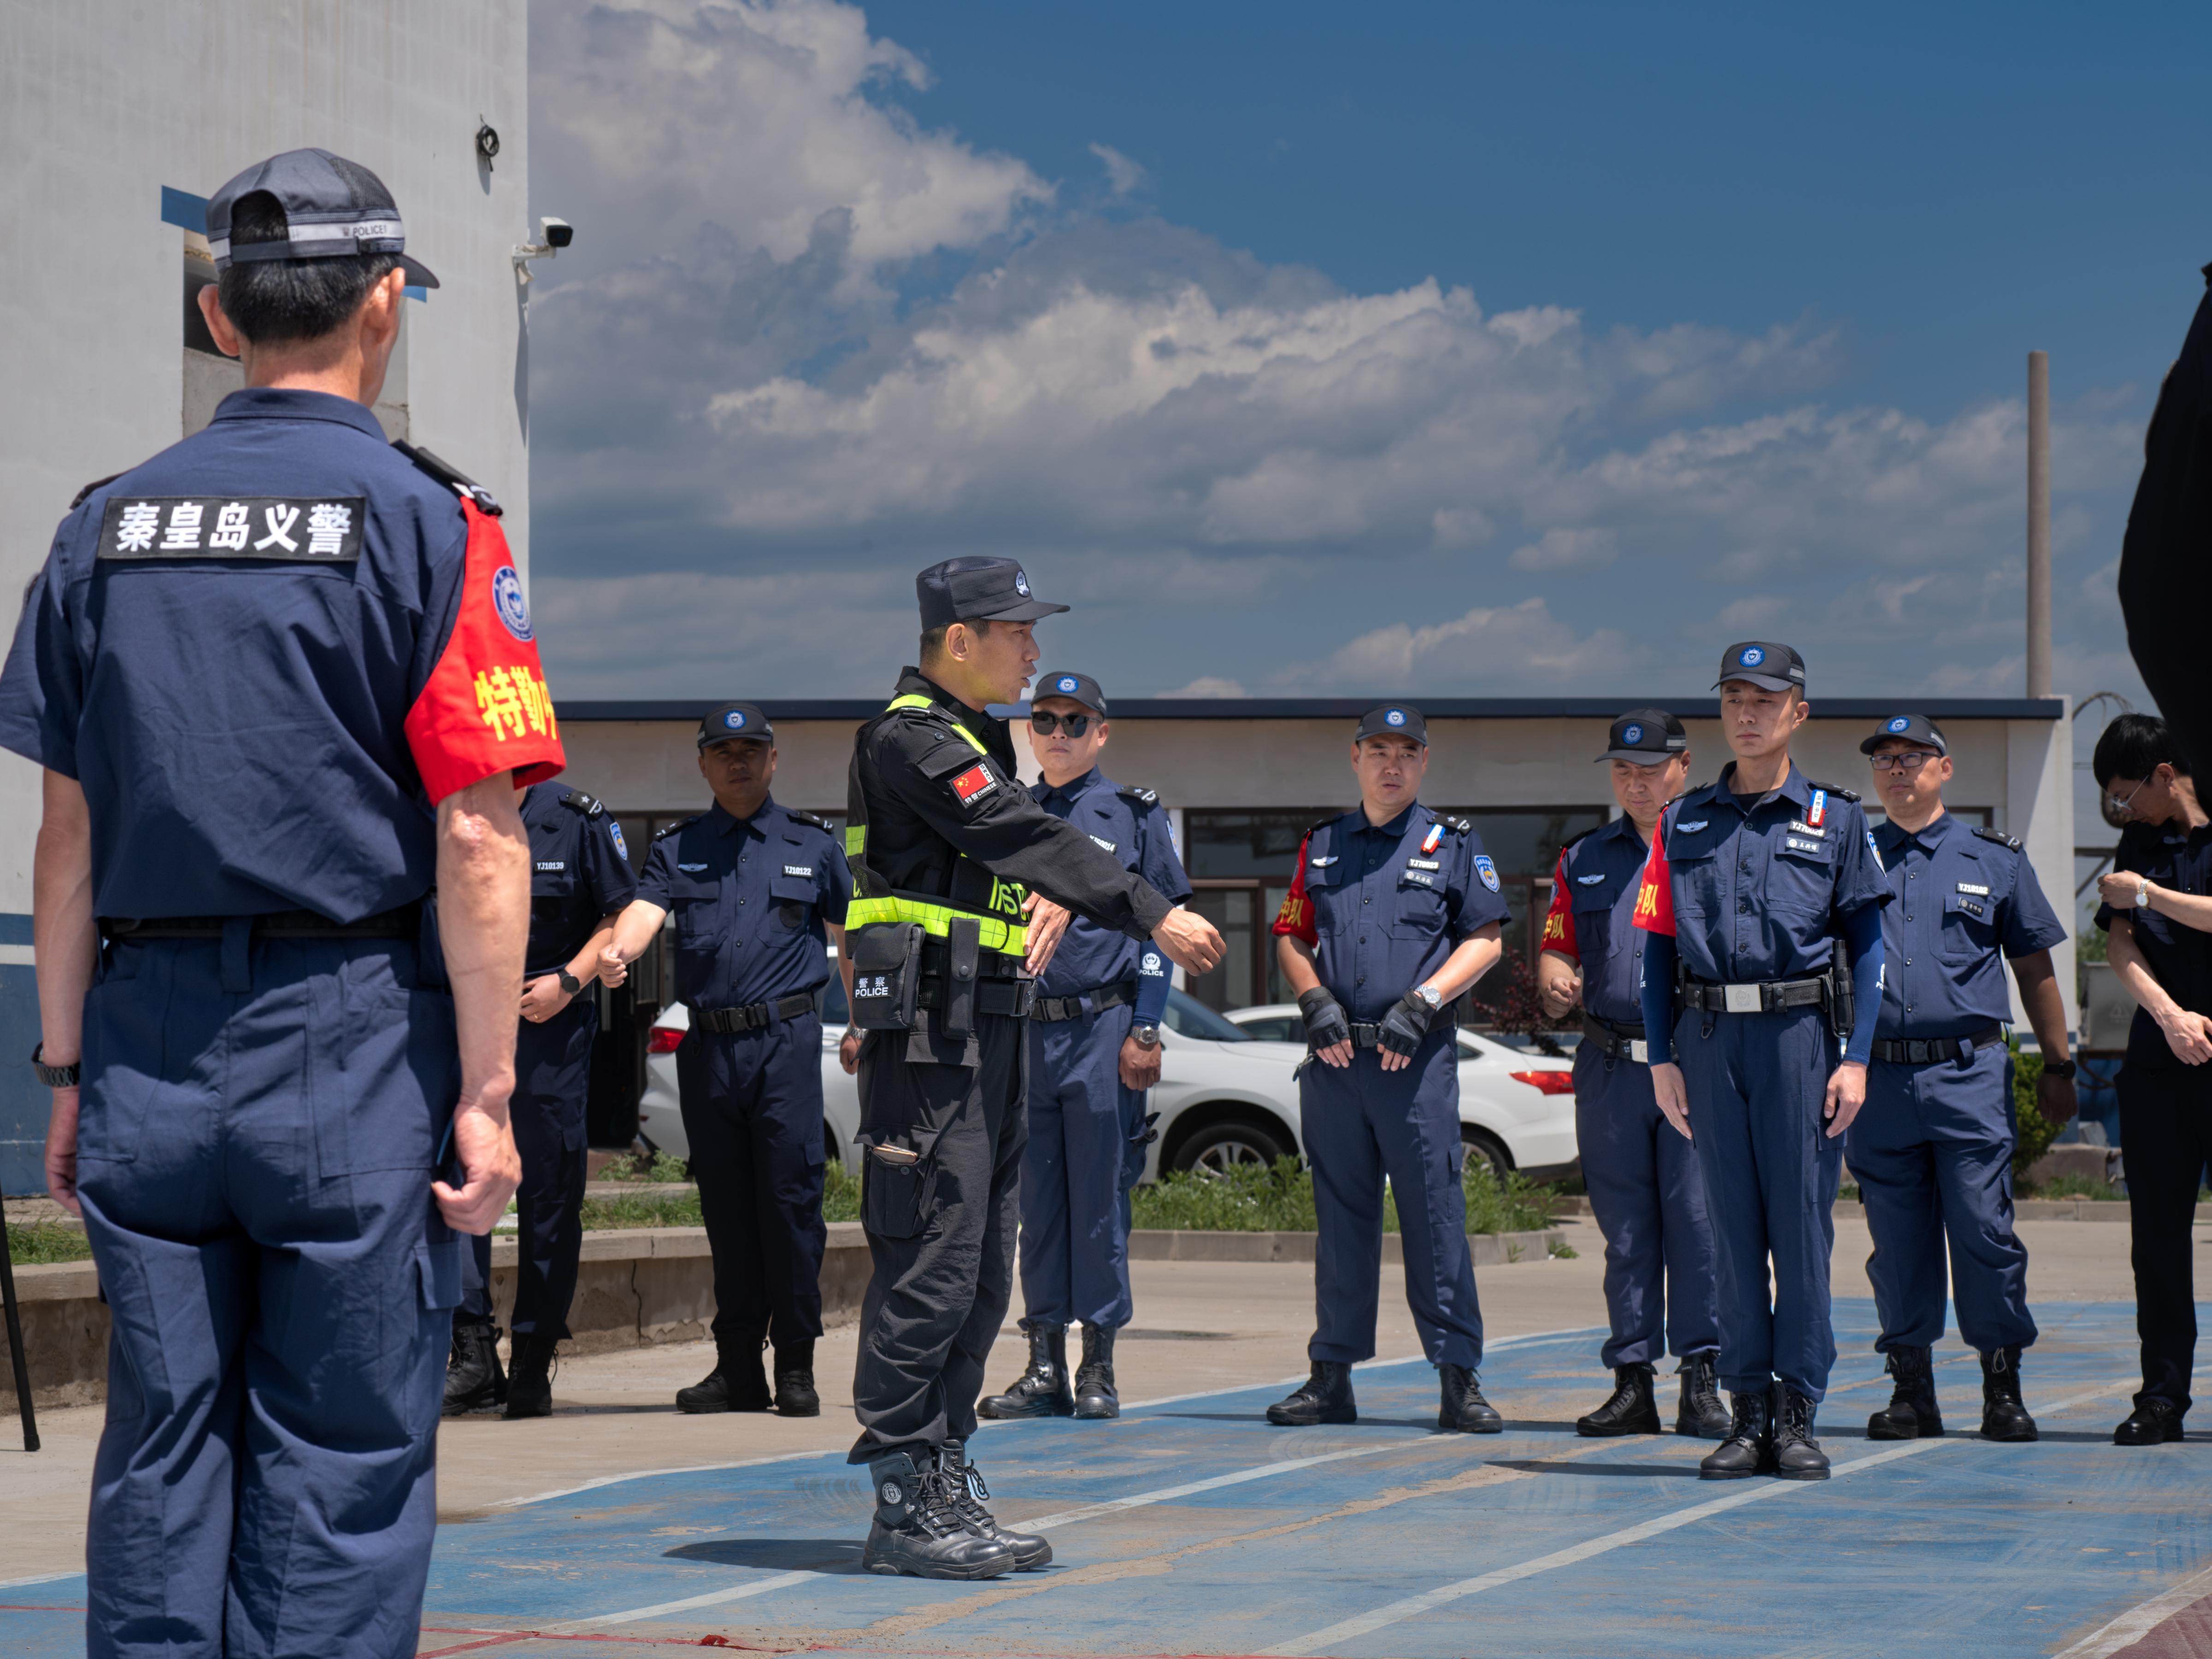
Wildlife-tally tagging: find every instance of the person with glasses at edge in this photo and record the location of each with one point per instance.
(2158, 921)
(1932, 1148)
(1094, 1053)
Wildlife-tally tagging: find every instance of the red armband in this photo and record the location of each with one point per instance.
(1559, 920)
(1296, 918)
(485, 708)
(1655, 899)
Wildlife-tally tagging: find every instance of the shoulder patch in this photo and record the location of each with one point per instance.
(666, 830)
(450, 475)
(1840, 793)
(1143, 797)
(1998, 837)
(584, 803)
(85, 494)
(816, 819)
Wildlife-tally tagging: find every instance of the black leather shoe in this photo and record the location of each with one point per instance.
(1462, 1408)
(1632, 1410)
(1701, 1412)
(969, 1496)
(794, 1381)
(1324, 1397)
(1749, 1449)
(738, 1382)
(919, 1529)
(1912, 1413)
(2152, 1423)
(530, 1384)
(474, 1381)
(2003, 1416)
(1095, 1394)
(1043, 1390)
(1797, 1455)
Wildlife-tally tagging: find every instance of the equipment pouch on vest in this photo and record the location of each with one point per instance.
(886, 974)
(964, 958)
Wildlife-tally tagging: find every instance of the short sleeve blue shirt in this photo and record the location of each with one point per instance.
(1957, 901)
(1135, 831)
(580, 871)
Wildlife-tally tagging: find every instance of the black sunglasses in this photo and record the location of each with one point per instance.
(1044, 725)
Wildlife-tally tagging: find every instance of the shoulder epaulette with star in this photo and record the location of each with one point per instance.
(1998, 837)
(819, 822)
(1136, 793)
(584, 803)
(1457, 826)
(450, 475)
(666, 830)
(79, 499)
(1837, 790)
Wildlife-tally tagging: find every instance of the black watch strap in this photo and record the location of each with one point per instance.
(569, 983)
(54, 1077)
(2059, 1068)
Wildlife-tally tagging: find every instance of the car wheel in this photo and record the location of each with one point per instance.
(1219, 1147)
(1481, 1144)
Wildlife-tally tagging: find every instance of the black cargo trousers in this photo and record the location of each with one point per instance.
(940, 1227)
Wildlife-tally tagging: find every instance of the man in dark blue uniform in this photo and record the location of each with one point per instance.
(1932, 1148)
(281, 678)
(580, 879)
(1094, 1053)
(1645, 1188)
(758, 893)
(1751, 881)
(1393, 915)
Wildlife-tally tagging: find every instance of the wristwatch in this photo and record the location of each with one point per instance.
(54, 1077)
(1430, 994)
(2142, 895)
(1147, 1036)
(569, 983)
(2059, 1068)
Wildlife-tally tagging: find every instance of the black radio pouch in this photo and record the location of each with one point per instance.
(886, 974)
(963, 960)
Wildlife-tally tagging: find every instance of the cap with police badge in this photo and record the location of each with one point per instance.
(1907, 728)
(1645, 736)
(1079, 687)
(977, 590)
(333, 208)
(1762, 662)
(1393, 719)
(742, 720)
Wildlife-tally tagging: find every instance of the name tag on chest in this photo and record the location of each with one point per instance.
(798, 869)
(1420, 878)
(554, 865)
(1797, 844)
(1424, 864)
(296, 529)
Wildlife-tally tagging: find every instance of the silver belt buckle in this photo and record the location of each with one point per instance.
(1740, 999)
(1639, 1051)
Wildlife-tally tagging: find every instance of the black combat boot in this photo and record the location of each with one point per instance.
(2152, 1423)
(1094, 1378)
(1749, 1448)
(970, 1495)
(1699, 1412)
(1797, 1455)
(919, 1529)
(1041, 1390)
(530, 1384)
(794, 1380)
(2003, 1416)
(1912, 1413)
(474, 1381)
(1463, 1409)
(1323, 1397)
(738, 1382)
(1631, 1411)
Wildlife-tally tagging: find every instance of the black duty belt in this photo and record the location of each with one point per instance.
(1054, 1010)
(989, 964)
(754, 1016)
(1615, 1040)
(405, 923)
(1014, 997)
(1765, 996)
(1920, 1051)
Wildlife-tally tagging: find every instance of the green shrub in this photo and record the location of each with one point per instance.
(642, 1166)
(2034, 1132)
(1250, 1199)
(34, 1243)
(673, 1210)
(840, 1193)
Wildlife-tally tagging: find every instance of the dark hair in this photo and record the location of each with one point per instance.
(270, 300)
(2134, 746)
(932, 639)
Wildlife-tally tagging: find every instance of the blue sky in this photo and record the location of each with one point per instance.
(1421, 349)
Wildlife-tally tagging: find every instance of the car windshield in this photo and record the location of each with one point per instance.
(1188, 1017)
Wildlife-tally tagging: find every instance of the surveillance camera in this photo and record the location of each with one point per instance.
(559, 233)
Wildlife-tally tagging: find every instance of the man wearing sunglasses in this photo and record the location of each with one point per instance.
(1932, 1147)
(1094, 1053)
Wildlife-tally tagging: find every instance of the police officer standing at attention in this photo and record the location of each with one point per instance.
(580, 878)
(1932, 1148)
(758, 892)
(1752, 880)
(1393, 914)
(280, 679)
(1645, 1188)
(959, 881)
(1094, 1051)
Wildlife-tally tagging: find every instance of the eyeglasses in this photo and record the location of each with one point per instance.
(1904, 761)
(2120, 803)
(1045, 725)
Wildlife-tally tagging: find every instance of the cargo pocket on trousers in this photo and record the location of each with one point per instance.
(898, 1194)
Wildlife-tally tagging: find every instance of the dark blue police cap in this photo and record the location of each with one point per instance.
(1766, 664)
(1907, 728)
(1081, 687)
(977, 590)
(332, 207)
(1645, 736)
(1393, 719)
(735, 720)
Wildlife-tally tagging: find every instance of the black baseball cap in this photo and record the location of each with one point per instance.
(1081, 687)
(977, 590)
(1910, 728)
(1764, 663)
(1393, 719)
(332, 207)
(743, 720)
(1645, 736)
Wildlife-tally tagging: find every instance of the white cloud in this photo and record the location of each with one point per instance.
(1561, 550)
(1123, 175)
(1208, 685)
(1490, 648)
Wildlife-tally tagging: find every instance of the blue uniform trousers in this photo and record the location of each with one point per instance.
(1756, 1083)
(753, 1110)
(1932, 1152)
(1086, 1149)
(1648, 1193)
(255, 1148)
(1359, 1124)
(552, 1076)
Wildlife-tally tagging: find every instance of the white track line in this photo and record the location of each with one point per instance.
(2139, 1621)
(37, 1578)
(662, 1609)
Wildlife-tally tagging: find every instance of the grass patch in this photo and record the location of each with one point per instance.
(36, 1243)
(2078, 1186)
(676, 1210)
(643, 1166)
(840, 1193)
(1252, 1200)
(1563, 1251)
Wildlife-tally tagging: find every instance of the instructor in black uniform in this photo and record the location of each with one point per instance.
(943, 934)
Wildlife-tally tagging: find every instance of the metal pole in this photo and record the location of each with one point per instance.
(22, 1364)
(2039, 524)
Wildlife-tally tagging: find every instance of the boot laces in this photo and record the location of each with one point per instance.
(1796, 1416)
(939, 1503)
(1746, 1418)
